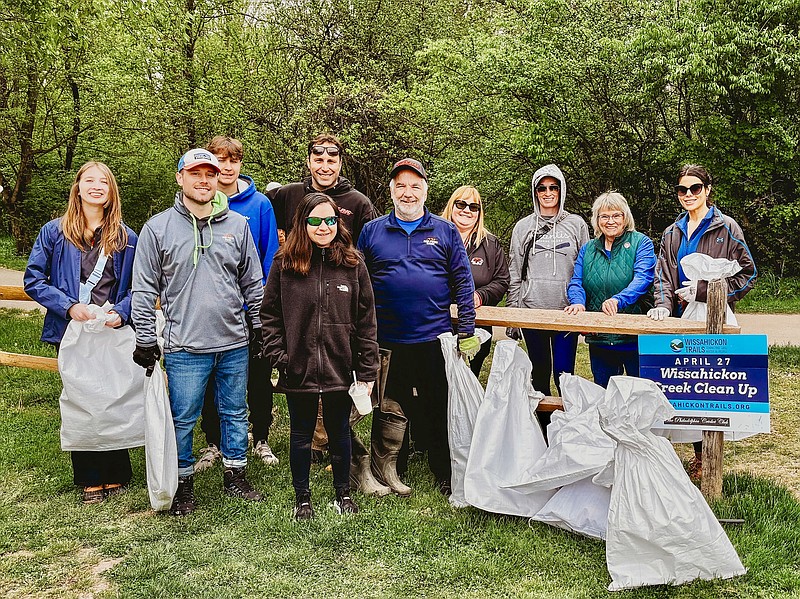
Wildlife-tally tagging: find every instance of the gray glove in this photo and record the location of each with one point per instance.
(514, 333)
(658, 313)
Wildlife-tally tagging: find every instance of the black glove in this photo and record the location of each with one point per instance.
(256, 344)
(146, 356)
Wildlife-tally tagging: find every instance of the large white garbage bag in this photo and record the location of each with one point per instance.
(507, 437)
(701, 267)
(102, 403)
(580, 507)
(660, 528)
(464, 397)
(578, 446)
(160, 446)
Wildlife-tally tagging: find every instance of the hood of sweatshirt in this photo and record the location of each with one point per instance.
(245, 194)
(219, 210)
(550, 170)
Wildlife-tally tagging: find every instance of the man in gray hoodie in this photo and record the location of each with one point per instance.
(544, 247)
(199, 260)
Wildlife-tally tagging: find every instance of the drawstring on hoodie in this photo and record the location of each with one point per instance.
(197, 245)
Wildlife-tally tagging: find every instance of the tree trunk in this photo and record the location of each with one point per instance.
(16, 199)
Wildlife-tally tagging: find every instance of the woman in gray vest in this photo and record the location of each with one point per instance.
(613, 273)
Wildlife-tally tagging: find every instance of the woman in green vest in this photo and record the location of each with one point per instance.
(613, 273)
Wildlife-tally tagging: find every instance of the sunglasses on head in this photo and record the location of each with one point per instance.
(461, 205)
(543, 188)
(316, 221)
(320, 150)
(682, 190)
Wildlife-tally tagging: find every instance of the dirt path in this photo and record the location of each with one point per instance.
(781, 329)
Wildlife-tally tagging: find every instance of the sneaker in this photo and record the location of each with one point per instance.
(92, 495)
(264, 451)
(343, 504)
(208, 458)
(303, 510)
(183, 504)
(236, 485)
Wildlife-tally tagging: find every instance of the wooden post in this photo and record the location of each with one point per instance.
(711, 482)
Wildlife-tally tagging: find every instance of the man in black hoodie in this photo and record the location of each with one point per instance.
(325, 165)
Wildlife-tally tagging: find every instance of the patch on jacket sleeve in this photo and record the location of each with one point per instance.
(431, 241)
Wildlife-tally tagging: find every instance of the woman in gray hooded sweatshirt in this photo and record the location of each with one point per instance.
(544, 247)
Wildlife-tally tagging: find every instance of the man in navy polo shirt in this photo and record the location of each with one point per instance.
(418, 265)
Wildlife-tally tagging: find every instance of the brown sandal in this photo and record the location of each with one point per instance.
(92, 495)
(113, 489)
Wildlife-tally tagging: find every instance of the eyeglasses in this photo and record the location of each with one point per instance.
(543, 188)
(604, 218)
(316, 221)
(682, 190)
(320, 150)
(462, 205)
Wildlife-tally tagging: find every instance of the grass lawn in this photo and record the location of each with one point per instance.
(51, 546)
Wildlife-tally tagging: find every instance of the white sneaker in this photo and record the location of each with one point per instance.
(264, 451)
(208, 457)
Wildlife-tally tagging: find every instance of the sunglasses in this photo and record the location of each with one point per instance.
(321, 150)
(543, 188)
(316, 221)
(462, 205)
(682, 190)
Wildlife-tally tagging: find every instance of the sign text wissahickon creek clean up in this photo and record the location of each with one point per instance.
(715, 382)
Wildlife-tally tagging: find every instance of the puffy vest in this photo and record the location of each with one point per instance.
(604, 277)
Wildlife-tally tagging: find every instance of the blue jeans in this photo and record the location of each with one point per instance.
(607, 362)
(188, 375)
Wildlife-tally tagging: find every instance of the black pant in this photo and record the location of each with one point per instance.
(95, 468)
(259, 402)
(302, 420)
(477, 362)
(420, 367)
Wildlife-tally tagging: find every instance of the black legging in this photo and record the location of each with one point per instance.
(303, 419)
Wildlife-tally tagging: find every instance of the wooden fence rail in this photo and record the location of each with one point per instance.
(551, 320)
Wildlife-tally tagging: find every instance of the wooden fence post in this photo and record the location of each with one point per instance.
(711, 482)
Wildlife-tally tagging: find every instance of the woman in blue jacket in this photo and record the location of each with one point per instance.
(86, 257)
(613, 273)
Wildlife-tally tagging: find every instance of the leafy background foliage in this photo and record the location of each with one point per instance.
(619, 93)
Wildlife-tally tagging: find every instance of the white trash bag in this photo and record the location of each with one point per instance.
(102, 403)
(578, 446)
(507, 437)
(464, 397)
(580, 507)
(701, 267)
(660, 528)
(160, 447)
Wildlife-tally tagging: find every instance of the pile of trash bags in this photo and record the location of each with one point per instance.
(604, 474)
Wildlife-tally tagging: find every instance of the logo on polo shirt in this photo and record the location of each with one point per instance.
(431, 241)
(476, 261)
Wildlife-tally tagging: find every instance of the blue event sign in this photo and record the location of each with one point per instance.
(719, 376)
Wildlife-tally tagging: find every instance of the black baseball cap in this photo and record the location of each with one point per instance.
(408, 164)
